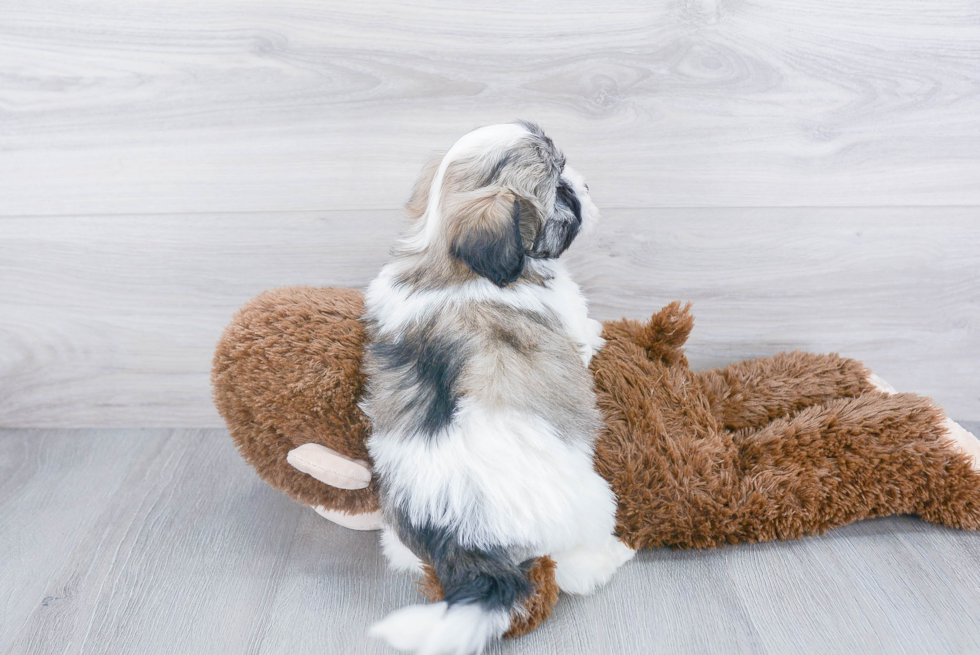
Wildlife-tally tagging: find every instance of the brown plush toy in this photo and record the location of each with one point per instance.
(774, 448)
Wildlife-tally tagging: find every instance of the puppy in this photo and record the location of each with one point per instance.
(483, 410)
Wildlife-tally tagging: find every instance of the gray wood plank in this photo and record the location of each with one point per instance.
(185, 557)
(335, 585)
(224, 106)
(163, 541)
(111, 321)
(895, 585)
(53, 488)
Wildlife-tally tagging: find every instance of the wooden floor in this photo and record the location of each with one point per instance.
(164, 541)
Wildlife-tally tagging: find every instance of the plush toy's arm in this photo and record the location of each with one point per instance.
(750, 394)
(331, 468)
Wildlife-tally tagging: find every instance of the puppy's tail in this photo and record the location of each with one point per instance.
(482, 588)
(460, 629)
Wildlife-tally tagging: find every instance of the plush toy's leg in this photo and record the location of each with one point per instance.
(336, 470)
(850, 459)
(750, 394)
(961, 438)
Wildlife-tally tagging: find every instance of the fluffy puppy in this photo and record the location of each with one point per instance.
(483, 410)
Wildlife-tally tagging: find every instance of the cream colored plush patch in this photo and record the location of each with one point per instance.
(964, 441)
(329, 466)
(881, 385)
(366, 521)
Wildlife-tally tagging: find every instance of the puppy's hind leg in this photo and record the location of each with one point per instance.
(583, 569)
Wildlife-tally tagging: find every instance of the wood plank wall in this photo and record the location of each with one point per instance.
(808, 173)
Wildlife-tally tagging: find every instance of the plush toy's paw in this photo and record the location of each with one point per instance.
(399, 556)
(881, 385)
(364, 521)
(330, 467)
(463, 629)
(960, 438)
(963, 441)
(583, 569)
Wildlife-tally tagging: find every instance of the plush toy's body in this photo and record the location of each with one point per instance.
(773, 448)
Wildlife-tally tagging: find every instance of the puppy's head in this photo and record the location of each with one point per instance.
(501, 195)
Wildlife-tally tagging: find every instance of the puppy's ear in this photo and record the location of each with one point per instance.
(562, 227)
(488, 237)
(419, 201)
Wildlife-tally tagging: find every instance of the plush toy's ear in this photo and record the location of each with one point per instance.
(488, 236)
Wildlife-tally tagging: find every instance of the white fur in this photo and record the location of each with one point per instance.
(396, 307)
(438, 629)
(499, 479)
(590, 213)
(584, 568)
(400, 557)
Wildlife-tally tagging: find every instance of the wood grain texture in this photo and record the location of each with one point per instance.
(164, 541)
(111, 321)
(39, 530)
(255, 106)
(184, 557)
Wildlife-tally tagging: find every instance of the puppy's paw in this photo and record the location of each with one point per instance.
(399, 556)
(593, 341)
(595, 331)
(329, 466)
(583, 569)
(437, 629)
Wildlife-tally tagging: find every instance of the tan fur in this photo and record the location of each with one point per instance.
(419, 201)
(470, 205)
(488, 210)
(774, 448)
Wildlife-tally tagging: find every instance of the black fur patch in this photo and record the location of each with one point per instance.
(429, 367)
(497, 256)
(561, 229)
(489, 577)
